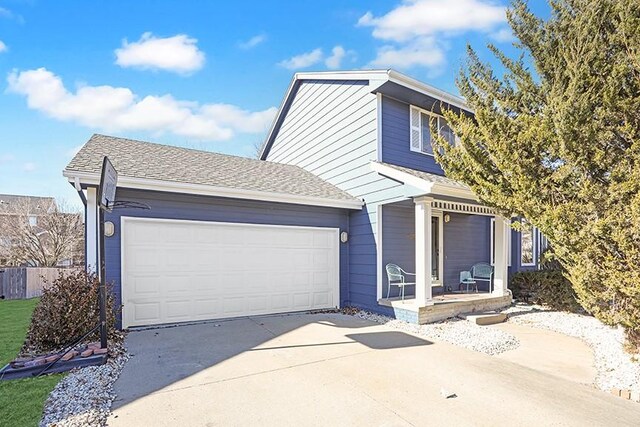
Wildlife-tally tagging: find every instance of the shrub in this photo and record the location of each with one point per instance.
(67, 310)
(545, 287)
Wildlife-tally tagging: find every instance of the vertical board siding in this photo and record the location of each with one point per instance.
(466, 241)
(398, 244)
(203, 208)
(330, 129)
(395, 139)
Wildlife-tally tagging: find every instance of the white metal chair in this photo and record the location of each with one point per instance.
(396, 277)
(467, 279)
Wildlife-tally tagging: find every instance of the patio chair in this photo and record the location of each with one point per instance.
(396, 277)
(483, 272)
(466, 279)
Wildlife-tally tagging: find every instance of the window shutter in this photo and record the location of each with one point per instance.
(415, 129)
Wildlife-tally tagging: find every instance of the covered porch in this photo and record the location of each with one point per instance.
(438, 232)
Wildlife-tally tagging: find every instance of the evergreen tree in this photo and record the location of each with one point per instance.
(556, 139)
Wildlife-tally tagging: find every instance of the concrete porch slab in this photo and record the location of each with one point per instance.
(408, 310)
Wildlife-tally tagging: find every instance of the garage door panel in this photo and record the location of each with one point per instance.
(301, 301)
(176, 285)
(178, 309)
(147, 286)
(321, 298)
(186, 270)
(144, 257)
(209, 307)
(146, 311)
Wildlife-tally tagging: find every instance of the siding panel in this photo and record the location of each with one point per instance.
(466, 242)
(395, 139)
(334, 135)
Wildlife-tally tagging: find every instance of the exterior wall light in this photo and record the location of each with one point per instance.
(344, 237)
(109, 229)
(447, 218)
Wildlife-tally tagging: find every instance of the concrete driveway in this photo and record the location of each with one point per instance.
(332, 369)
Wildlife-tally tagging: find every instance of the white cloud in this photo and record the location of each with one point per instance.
(303, 60)
(6, 158)
(414, 18)
(119, 109)
(178, 54)
(253, 41)
(503, 35)
(29, 167)
(423, 52)
(416, 31)
(8, 14)
(338, 54)
(3, 47)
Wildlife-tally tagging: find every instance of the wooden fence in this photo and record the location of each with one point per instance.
(27, 282)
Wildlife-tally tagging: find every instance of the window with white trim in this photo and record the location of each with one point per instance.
(421, 138)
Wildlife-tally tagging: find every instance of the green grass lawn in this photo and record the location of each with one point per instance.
(21, 401)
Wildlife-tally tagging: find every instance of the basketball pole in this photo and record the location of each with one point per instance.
(102, 288)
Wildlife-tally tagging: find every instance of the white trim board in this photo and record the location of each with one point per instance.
(429, 187)
(210, 190)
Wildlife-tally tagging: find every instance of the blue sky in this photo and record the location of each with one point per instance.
(206, 75)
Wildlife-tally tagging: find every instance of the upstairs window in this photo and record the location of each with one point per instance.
(421, 138)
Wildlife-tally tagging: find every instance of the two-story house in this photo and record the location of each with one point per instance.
(346, 184)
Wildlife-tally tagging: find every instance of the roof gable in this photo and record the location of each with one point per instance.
(378, 80)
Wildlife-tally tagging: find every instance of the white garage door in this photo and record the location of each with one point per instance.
(176, 271)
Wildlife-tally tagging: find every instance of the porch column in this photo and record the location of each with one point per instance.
(500, 274)
(91, 228)
(423, 250)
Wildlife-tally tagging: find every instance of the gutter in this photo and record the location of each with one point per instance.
(92, 178)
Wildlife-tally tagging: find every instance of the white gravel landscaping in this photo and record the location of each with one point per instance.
(454, 331)
(84, 396)
(615, 368)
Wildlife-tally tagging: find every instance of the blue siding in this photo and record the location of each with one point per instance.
(362, 261)
(395, 139)
(202, 208)
(466, 241)
(398, 243)
(330, 129)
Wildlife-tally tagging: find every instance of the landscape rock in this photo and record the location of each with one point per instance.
(84, 396)
(454, 331)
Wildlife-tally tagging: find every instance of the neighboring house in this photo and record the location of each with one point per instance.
(13, 206)
(346, 184)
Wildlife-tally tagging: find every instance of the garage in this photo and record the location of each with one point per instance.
(181, 270)
(195, 235)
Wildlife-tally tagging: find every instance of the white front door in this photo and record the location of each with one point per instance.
(176, 271)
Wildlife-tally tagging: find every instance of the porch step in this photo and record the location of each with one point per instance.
(484, 319)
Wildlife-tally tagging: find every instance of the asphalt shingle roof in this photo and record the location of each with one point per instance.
(431, 177)
(139, 159)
